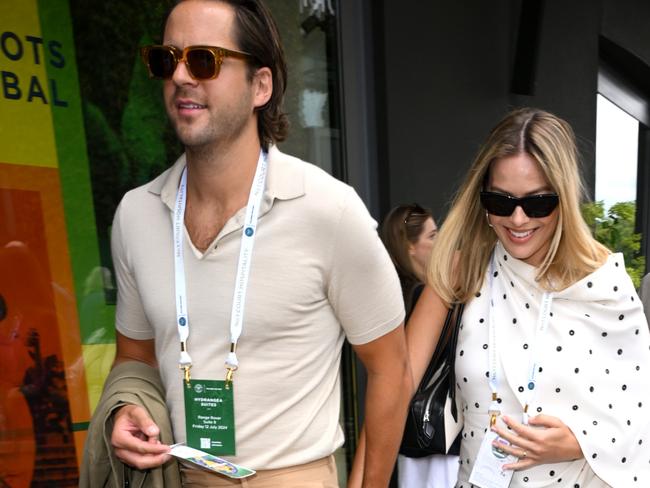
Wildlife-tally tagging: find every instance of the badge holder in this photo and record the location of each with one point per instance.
(488, 469)
(210, 416)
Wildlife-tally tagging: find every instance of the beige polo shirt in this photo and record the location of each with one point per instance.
(319, 274)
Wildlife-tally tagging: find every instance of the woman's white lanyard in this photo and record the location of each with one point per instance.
(243, 269)
(533, 363)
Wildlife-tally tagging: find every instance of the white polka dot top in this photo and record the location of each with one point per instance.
(593, 372)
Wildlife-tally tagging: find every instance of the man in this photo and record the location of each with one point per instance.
(276, 313)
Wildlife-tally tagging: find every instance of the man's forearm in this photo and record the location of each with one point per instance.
(387, 399)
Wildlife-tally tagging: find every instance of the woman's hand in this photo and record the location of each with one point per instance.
(544, 440)
(356, 473)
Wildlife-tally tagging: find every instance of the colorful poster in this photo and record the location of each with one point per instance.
(42, 385)
(48, 250)
(74, 136)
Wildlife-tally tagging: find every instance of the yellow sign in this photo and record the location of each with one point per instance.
(27, 95)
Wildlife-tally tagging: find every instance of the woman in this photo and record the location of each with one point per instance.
(553, 351)
(408, 232)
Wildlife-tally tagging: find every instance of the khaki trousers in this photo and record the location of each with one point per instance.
(317, 474)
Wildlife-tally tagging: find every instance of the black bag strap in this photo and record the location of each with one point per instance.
(445, 352)
(451, 357)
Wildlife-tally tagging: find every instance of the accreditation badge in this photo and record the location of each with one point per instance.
(210, 416)
(488, 469)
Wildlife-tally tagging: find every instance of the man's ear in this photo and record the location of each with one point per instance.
(263, 84)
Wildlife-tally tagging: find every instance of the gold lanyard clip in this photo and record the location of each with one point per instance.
(229, 375)
(494, 409)
(186, 372)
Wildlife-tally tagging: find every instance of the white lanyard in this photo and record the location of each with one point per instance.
(533, 362)
(243, 268)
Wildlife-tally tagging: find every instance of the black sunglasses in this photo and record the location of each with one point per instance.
(203, 62)
(535, 206)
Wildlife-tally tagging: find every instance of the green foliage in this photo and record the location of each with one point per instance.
(143, 124)
(129, 140)
(616, 231)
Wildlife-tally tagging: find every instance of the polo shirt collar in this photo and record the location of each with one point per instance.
(285, 179)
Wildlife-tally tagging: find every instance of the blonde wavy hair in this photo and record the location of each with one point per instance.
(464, 245)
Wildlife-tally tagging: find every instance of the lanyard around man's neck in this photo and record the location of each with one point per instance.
(243, 268)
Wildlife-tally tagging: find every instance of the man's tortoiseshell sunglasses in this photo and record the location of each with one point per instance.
(203, 62)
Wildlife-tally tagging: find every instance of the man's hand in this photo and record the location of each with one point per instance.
(135, 438)
(544, 440)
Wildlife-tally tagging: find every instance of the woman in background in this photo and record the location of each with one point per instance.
(408, 232)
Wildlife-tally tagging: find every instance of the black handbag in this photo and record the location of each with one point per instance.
(434, 401)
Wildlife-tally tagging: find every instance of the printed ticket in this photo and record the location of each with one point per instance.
(211, 463)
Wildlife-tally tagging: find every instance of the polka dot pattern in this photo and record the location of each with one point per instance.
(590, 372)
